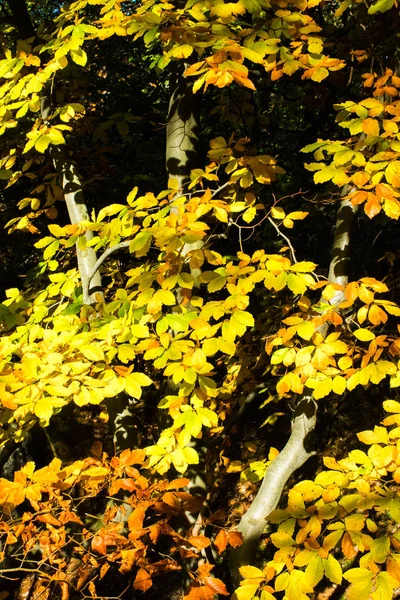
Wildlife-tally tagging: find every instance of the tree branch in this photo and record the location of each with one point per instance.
(100, 261)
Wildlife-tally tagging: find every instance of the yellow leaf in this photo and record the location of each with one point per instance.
(332, 569)
(391, 406)
(249, 572)
(277, 212)
(45, 408)
(305, 330)
(345, 362)
(322, 389)
(198, 359)
(364, 335)
(92, 352)
(79, 56)
(245, 592)
(297, 215)
(42, 143)
(339, 384)
(314, 571)
(361, 580)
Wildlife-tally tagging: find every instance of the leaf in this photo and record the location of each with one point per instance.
(199, 541)
(314, 571)
(361, 580)
(325, 174)
(306, 330)
(136, 518)
(143, 580)
(216, 585)
(391, 406)
(42, 143)
(303, 266)
(364, 335)
(380, 548)
(371, 127)
(245, 592)
(45, 408)
(277, 212)
(92, 352)
(201, 592)
(79, 56)
(140, 242)
(249, 572)
(235, 538)
(380, 6)
(332, 569)
(221, 541)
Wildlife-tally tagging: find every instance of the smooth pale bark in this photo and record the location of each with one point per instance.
(298, 448)
(181, 153)
(78, 212)
(295, 453)
(181, 150)
(67, 172)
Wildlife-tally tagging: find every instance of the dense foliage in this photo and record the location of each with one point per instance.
(183, 286)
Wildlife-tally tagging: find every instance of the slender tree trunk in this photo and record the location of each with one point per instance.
(298, 448)
(77, 211)
(181, 153)
(67, 172)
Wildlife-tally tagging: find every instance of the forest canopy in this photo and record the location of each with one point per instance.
(199, 320)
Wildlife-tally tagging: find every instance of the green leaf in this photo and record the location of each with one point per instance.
(140, 242)
(380, 6)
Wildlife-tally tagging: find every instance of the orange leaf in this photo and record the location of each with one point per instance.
(142, 580)
(393, 568)
(221, 541)
(371, 127)
(177, 483)
(348, 548)
(128, 560)
(135, 521)
(199, 593)
(199, 541)
(205, 570)
(235, 538)
(216, 585)
(132, 457)
(373, 206)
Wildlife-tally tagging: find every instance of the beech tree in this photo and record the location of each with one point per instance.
(170, 166)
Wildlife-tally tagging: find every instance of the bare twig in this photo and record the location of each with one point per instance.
(289, 243)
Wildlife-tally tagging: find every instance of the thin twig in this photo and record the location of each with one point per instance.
(285, 238)
(221, 188)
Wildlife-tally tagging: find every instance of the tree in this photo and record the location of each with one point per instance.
(155, 362)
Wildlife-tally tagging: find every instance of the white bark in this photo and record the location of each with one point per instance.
(297, 449)
(78, 212)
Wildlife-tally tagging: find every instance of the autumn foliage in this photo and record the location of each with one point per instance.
(208, 313)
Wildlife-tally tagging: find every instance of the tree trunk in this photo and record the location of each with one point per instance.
(181, 153)
(67, 172)
(298, 448)
(77, 211)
